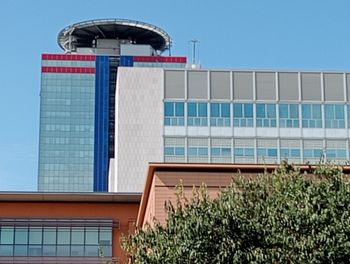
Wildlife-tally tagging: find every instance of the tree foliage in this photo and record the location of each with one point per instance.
(281, 217)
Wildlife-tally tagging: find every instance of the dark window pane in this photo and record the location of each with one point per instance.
(339, 112)
(317, 153)
(35, 236)
(237, 110)
(238, 151)
(226, 152)
(178, 151)
(20, 250)
(63, 236)
(21, 236)
(106, 235)
(77, 251)
(179, 109)
(168, 151)
(284, 152)
(316, 111)
(106, 251)
(341, 153)
(91, 237)
(248, 110)
(91, 250)
(214, 110)
(272, 152)
(63, 251)
(308, 153)
(202, 110)
(192, 109)
(294, 111)
(328, 111)
(249, 152)
(271, 110)
(34, 250)
(77, 236)
(261, 152)
(260, 110)
(7, 235)
(169, 109)
(49, 250)
(192, 151)
(283, 111)
(225, 110)
(202, 151)
(49, 236)
(306, 111)
(215, 151)
(6, 250)
(295, 152)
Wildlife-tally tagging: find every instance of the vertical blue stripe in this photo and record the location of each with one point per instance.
(126, 61)
(101, 124)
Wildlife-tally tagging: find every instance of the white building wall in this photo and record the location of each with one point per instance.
(139, 126)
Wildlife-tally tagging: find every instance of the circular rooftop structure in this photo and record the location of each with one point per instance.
(83, 34)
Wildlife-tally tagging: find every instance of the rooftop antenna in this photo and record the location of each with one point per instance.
(194, 43)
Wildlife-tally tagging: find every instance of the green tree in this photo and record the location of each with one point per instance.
(280, 217)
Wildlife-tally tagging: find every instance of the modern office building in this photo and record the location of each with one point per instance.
(227, 116)
(112, 104)
(77, 115)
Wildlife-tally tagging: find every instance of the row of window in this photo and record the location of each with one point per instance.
(55, 241)
(250, 152)
(264, 115)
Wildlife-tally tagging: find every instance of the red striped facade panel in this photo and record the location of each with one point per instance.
(68, 69)
(72, 57)
(168, 59)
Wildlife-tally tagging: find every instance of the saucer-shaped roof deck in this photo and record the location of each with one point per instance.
(82, 34)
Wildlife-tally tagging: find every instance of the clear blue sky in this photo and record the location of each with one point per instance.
(269, 34)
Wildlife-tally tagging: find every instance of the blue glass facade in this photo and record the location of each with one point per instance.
(67, 127)
(101, 124)
(74, 124)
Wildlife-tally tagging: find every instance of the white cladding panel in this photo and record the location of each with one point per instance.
(139, 126)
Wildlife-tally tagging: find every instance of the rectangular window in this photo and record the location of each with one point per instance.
(220, 114)
(174, 151)
(289, 153)
(289, 115)
(54, 241)
(21, 236)
(311, 115)
(334, 116)
(197, 114)
(267, 152)
(312, 153)
(197, 151)
(220, 152)
(244, 152)
(336, 153)
(174, 114)
(242, 115)
(49, 236)
(265, 115)
(35, 236)
(7, 235)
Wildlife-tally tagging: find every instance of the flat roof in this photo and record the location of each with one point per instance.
(70, 197)
(83, 33)
(207, 167)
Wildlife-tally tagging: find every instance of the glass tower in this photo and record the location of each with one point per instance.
(67, 123)
(77, 107)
